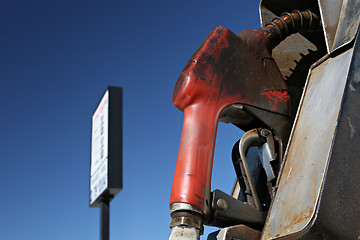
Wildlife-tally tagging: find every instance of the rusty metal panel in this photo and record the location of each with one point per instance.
(338, 214)
(340, 21)
(295, 203)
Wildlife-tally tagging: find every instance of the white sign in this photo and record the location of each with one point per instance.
(99, 149)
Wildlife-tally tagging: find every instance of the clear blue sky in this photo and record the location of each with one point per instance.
(56, 60)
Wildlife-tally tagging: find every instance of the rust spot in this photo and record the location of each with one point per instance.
(301, 218)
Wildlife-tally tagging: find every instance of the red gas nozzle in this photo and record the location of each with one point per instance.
(226, 69)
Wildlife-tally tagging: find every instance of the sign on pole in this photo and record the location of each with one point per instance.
(106, 148)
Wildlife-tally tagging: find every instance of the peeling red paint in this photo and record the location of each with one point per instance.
(276, 96)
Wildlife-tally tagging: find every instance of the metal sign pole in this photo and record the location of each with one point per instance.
(104, 219)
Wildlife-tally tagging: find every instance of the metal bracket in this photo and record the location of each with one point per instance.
(228, 211)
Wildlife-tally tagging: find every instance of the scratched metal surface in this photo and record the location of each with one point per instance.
(295, 204)
(340, 21)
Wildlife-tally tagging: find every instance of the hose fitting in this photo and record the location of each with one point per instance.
(186, 222)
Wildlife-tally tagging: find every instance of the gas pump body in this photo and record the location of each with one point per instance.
(316, 189)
